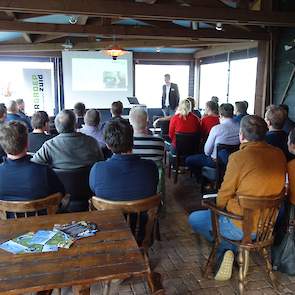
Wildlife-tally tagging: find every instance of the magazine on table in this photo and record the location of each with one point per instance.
(61, 236)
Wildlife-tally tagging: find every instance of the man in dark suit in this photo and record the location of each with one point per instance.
(170, 97)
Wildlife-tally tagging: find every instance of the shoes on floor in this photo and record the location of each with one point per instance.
(225, 266)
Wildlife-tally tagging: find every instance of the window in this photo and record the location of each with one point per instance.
(149, 80)
(213, 82)
(31, 81)
(242, 81)
(229, 81)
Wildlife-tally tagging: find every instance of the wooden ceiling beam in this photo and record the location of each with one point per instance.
(25, 35)
(134, 31)
(111, 8)
(106, 44)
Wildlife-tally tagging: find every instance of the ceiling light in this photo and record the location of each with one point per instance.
(115, 51)
(73, 19)
(219, 26)
(67, 45)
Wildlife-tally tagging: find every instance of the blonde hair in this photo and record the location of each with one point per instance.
(184, 108)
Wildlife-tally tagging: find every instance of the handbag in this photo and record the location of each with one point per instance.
(283, 253)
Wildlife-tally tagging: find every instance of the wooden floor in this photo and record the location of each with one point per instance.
(181, 254)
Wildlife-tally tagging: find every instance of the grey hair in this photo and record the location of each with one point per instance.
(65, 121)
(138, 117)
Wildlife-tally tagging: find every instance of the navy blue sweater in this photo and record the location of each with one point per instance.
(124, 177)
(23, 180)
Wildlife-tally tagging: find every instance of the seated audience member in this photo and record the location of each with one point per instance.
(93, 127)
(124, 176)
(3, 114)
(289, 124)
(257, 170)
(240, 110)
(21, 179)
(146, 146)
(193, 103)
(275, 117)
(215, 99)
(184, 121)
(210, 119)
(21, 111)
(13, 115)
(70, 149)
(116, 110)
(227, 132)
(40, 123)
(79, 111)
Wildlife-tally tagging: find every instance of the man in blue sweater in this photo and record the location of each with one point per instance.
(124, 176)
(21, 179)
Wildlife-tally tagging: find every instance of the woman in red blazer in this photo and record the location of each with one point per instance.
(184, 121)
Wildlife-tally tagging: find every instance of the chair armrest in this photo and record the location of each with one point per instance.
(210, 205)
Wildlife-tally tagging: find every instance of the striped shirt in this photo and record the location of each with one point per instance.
(149, 147)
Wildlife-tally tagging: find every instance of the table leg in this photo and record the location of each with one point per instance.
(81, 290)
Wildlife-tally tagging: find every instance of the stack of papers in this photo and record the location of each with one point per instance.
(62, 236)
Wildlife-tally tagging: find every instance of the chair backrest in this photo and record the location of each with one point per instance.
(187, 143)
(223, 152)
(76, 184)
(164, 125)
(133, 210)
(16, 209)
(263, 209)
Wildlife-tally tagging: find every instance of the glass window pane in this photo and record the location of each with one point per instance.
(149, 80)
(242, 81)
(14, 86)
(213, 82)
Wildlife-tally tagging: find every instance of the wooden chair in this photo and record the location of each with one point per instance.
(267, 209)
(134, 209)
(186, 144)
(17, 209)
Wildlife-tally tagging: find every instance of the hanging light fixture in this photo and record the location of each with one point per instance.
(115, 51)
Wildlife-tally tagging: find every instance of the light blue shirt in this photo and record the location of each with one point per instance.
(95, 132)
(227, 132)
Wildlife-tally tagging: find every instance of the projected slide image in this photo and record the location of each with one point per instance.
(114, 80)
(92, 74)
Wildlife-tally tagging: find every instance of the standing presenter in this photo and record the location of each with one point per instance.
(170, 97)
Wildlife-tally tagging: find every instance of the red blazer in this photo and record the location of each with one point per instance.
(188, 124)
(207, 122)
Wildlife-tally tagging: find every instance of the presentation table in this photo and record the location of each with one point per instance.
(111, 254)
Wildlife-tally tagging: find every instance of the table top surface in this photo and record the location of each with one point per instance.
(111, 254)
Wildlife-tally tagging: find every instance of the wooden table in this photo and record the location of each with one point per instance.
(111, 254)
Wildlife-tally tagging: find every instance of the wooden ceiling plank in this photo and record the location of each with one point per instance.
(119, 30)
(46, 38)
(111, 8)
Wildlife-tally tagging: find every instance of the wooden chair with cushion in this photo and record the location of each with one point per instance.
(266, 209)
(17, 209)
(76, 184)
(134, 209)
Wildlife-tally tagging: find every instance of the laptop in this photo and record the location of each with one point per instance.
(133, 100)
